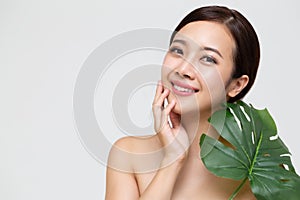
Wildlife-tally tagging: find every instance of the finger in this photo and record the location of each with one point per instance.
(159, 103)
(159, 90)
(169, 107)
(164, 95)
(164, 116)
(175, 119)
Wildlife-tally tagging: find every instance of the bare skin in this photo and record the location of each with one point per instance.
(167, 165)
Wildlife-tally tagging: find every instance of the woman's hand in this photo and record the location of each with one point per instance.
(172, 136)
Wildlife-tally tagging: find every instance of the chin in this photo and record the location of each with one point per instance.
(177, 109)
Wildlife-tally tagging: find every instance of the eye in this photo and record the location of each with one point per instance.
(176, 50)
(209, 59)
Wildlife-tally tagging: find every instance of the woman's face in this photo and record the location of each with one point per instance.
(198, 67)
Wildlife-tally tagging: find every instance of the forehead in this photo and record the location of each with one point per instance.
(208, 34)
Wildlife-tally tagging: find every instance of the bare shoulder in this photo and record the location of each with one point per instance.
(141, 144)
(130, 154)
(121, 182)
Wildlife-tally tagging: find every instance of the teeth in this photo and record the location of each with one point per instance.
(181, 89)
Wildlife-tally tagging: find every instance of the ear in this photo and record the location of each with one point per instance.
(237, 85)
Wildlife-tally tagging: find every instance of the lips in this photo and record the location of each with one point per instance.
(183, 89)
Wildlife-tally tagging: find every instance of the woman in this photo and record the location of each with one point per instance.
(213, 57)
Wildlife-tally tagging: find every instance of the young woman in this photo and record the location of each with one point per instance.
(213, 57)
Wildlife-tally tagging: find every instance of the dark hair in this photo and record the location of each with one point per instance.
(246, 53)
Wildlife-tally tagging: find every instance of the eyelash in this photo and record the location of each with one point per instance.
(176, 51)
(179, 51)
(210, 58)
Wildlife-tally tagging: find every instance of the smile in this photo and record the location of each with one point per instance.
(182, 89)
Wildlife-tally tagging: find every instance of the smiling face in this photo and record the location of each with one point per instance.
(198, 67)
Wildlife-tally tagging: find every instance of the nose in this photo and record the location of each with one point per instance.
(186, 70)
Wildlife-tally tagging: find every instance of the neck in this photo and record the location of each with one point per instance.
(195, 126)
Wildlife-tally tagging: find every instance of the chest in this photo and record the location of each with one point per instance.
(198, 183)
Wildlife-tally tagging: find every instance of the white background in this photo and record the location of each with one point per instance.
(43, 45)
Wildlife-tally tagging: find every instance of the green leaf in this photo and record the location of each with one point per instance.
(257, 153)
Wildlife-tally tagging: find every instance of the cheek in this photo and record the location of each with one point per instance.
(214, 85)
(168, 65)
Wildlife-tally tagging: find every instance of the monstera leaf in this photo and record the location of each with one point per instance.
(254, 152)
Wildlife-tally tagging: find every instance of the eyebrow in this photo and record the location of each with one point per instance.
(205, 48)
(179, 41)
(214, 50)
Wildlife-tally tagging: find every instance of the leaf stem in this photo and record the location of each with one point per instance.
(250, 170)
(238, 189)
(256, 153)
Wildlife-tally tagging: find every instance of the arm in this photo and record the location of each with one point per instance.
(120, 180)
(122, 185)
(161, 186)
